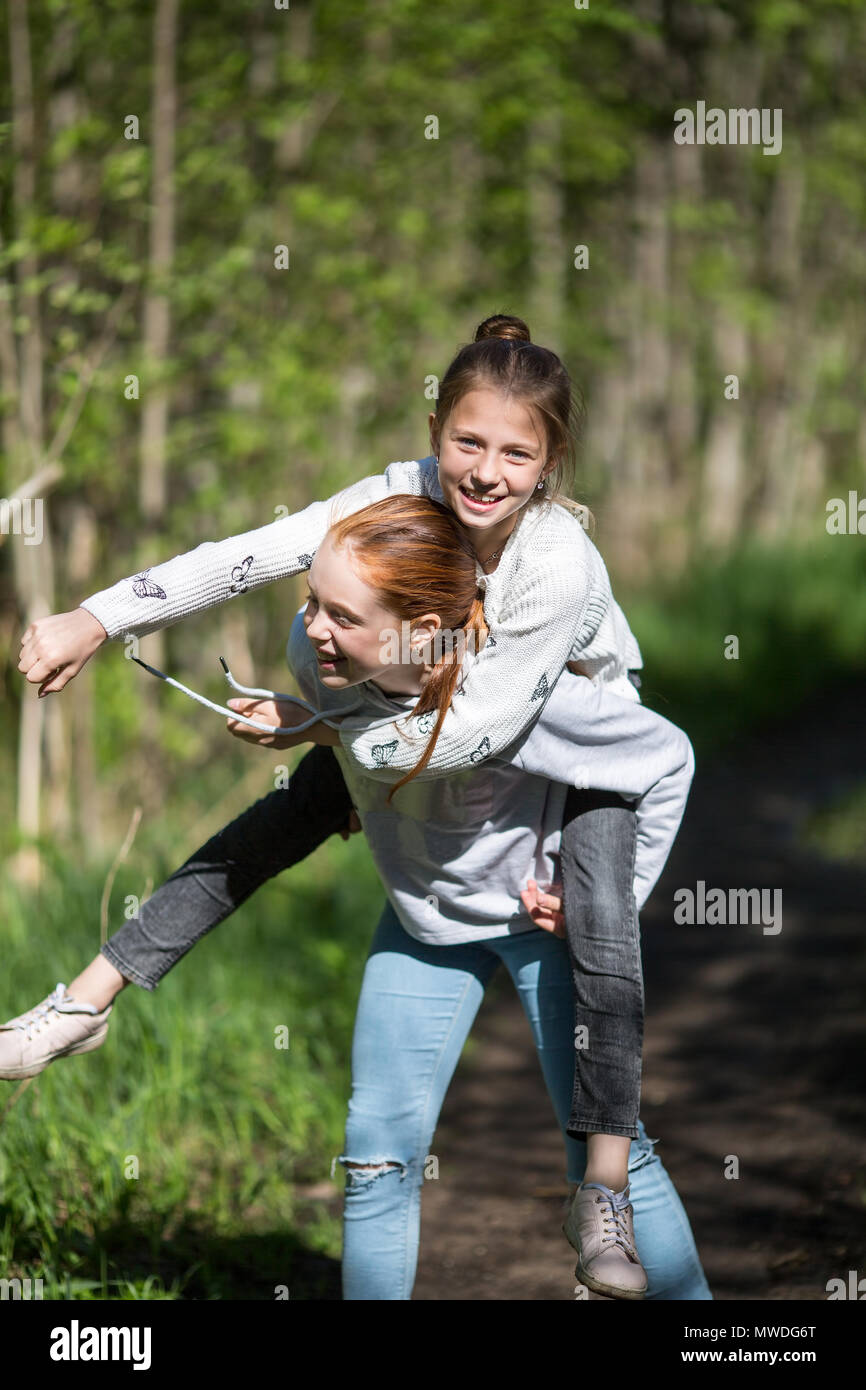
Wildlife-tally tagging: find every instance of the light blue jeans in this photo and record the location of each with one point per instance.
(416, 1008)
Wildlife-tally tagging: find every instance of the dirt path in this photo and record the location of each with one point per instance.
(755, 1047)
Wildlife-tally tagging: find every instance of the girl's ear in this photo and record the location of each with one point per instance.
(434, 433)
(424, 630)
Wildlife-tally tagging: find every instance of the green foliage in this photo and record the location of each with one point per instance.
(838, 831)
(799, 613)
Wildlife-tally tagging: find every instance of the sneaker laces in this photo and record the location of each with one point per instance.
(614, 1219)
(58, 1002)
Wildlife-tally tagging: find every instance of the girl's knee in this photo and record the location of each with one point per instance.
(363, 1172)
(371, 1167)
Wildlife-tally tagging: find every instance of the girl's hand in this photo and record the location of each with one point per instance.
(545, 909)
(352, 826)
(276, 713)
(54, 649)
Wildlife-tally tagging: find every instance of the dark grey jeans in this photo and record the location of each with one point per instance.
(281, 829)
(597, 851)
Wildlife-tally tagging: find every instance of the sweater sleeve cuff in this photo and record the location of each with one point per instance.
(100, 612)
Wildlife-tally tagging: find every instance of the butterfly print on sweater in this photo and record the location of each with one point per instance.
(306, 560)
(426, 721)
(540, 690)
(239, 576)
(143, 587)
(481, 751)
(383, 752)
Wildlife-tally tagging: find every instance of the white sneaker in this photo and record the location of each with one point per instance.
(58, 1027)
(600, 1226)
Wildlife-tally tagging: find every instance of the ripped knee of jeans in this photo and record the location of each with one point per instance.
(642, 1152)
(362, 1172)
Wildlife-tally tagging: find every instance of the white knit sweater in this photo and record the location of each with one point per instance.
(548, 601)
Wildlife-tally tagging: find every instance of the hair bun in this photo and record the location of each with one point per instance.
(503, 326)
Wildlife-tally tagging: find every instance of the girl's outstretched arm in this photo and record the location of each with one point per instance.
(55, 648)
(219, 570)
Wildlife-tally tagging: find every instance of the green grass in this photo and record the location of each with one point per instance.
(799, 613)
(224, 1127)
(838, 831)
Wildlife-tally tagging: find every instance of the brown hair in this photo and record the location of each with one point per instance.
(504, 357)
(416, 556)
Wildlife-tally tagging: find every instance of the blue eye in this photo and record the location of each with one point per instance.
(515, 453)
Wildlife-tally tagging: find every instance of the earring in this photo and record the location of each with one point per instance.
(540, 485)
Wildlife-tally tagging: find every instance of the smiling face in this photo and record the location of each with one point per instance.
(492, 454)
(348, 627)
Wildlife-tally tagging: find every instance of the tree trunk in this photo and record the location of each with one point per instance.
(157, 309)
(34, 572)
(154, 353)
(682, 408)
(68, 198)
(722, 480)
(649, 355)
(549, 263)
(640, 388)
(80, 562)
(779, 439)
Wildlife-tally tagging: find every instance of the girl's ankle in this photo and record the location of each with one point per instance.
(615, 1181)
(98, 984)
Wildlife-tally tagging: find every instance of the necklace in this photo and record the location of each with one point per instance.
(494, 556)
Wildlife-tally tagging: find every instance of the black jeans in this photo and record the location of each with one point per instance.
(281, 829)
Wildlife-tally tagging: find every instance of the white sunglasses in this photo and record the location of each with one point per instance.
(326, 716)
